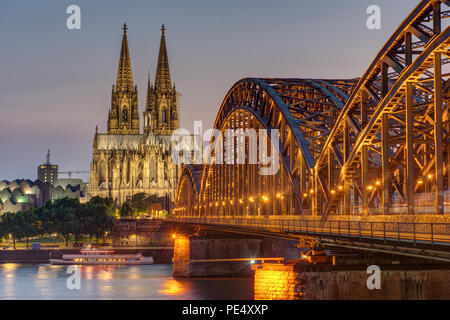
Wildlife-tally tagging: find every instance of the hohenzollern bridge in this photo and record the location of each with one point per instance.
(363, 163)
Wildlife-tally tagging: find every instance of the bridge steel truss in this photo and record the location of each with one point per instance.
(379, 144)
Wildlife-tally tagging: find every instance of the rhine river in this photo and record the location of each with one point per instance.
(44, 281)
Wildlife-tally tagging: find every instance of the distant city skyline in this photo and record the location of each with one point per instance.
(56, 83)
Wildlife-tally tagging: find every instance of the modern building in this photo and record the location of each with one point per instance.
(21, 194)
(124, 160)
(47, 172)
(69, 191)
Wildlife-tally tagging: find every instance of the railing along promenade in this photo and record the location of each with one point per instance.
(401, 232)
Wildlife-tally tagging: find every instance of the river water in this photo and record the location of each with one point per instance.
(44, 281)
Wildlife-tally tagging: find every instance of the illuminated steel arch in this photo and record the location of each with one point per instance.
(358, 146)
(396, 148)
(303, 112)
(188, 189)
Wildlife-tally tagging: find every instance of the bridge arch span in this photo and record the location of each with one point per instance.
(299, 109)
(393, 157)
(188, 190)
(379, 144)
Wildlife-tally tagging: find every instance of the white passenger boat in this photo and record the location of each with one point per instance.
(102, 257)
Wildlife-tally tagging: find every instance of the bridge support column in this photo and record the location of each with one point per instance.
(274, 281)
(409, 150)
(364, 164)
(314, 196)
(346, 190)
(295, 281)
(385, 164)
(438, 139)
(189, 250)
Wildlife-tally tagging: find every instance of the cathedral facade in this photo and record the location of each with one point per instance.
(126, 161)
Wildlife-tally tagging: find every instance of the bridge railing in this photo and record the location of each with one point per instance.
(411, 232)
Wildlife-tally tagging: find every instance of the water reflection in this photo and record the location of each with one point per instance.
(43, 281)
(9, 273)
(172, 287)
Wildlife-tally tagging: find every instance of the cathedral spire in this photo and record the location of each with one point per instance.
(148, 90)
(124, 76)
(162, 81)
(123, 117)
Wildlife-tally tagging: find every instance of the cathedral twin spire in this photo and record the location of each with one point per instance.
(124, 74)
(161, 116)
(162, 103)
(162, 81)
(123, 117)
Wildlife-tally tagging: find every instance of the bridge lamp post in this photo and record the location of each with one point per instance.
(251, 201)
(278, 206)
(305, 197)
(264, 206)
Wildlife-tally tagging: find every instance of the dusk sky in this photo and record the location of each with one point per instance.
(55, 83)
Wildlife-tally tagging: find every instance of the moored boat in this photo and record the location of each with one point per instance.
(101, 257)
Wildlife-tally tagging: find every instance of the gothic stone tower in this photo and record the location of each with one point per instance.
(123, 117)
(124, 161)
(162, 112)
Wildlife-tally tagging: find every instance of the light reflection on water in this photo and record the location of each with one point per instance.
(44, 281)
(173, 287)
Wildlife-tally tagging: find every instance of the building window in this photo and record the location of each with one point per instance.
(125, 115)
(164, 115)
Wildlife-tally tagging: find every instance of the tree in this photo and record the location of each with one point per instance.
(127, 210)
(11, 224)
(96, 220)
(67, 222)
(66, 217)
(27, 221)
(140, 202)
(107, 202)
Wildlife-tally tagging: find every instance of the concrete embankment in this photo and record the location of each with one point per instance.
(160, 255)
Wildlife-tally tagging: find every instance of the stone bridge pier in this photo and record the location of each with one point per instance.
(300, 281)
(322, 273)
(224, 252)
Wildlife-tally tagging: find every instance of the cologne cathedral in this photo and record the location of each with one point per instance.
(126, 161)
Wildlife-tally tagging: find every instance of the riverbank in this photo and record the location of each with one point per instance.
(161, 255)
